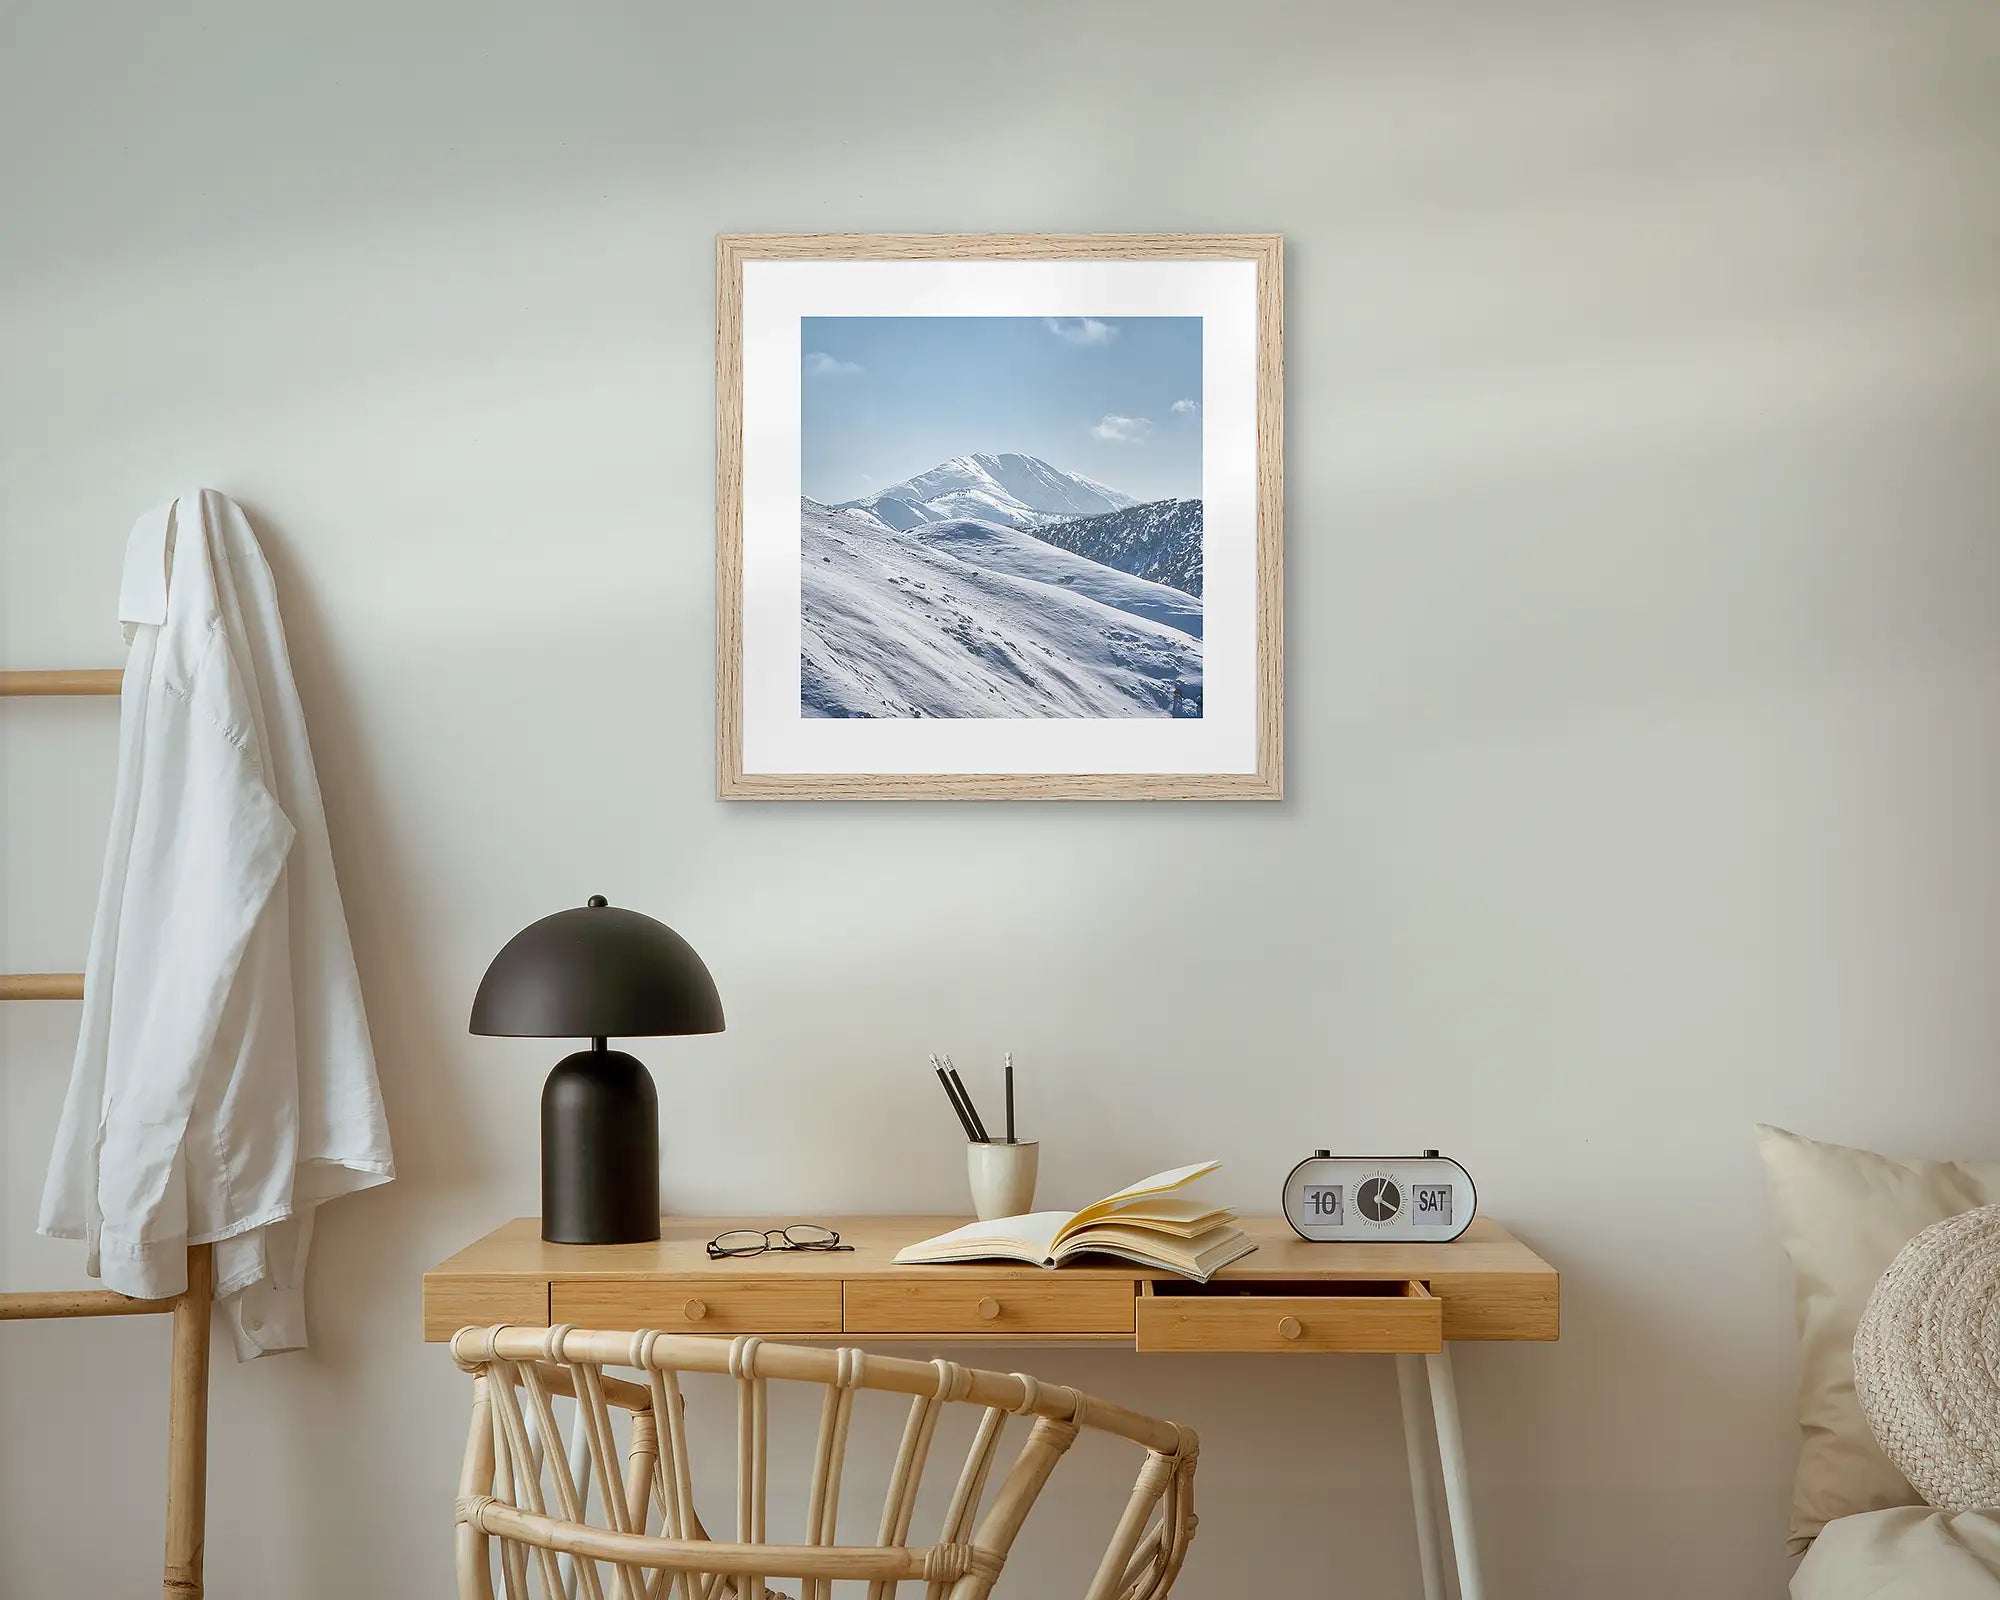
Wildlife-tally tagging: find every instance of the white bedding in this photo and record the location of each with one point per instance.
(1910, 1553)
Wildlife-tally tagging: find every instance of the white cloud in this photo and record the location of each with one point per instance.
(1115, 429)
(1081, 330)
(821, 365)
(1184, 408)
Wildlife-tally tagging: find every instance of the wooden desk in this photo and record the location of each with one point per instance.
(1406, 1300)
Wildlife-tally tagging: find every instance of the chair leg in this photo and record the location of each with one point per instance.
(579, 1469)
(187, 1430)
(1423, 1496)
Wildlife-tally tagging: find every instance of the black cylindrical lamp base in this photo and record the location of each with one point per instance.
(600, 1150)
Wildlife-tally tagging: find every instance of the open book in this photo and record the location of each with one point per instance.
(1147, 1223)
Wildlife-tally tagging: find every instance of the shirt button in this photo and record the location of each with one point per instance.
(253, 1322)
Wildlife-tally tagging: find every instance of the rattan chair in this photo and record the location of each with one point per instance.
(515, 1445)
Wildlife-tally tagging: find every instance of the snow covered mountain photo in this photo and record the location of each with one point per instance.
(1059, 581)
(959, 617)
(1016, 490)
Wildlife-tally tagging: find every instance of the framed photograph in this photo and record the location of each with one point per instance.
(999, 516)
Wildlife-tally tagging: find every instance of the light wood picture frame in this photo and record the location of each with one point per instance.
(1001, 625)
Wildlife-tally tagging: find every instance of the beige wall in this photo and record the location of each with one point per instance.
(1644, 570)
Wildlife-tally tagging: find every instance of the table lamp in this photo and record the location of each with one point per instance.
(596, 972)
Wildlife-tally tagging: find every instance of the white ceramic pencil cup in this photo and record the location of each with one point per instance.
(1002, 1177)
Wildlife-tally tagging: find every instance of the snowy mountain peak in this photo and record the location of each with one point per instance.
(1009, 490)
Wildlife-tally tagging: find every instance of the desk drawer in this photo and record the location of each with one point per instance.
(1232, 1315)
(451, 1303)
(1047, 1304)
(698, 1305)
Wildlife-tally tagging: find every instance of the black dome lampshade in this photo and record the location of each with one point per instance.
(598, 972)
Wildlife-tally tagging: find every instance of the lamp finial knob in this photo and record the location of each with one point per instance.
(597, 900)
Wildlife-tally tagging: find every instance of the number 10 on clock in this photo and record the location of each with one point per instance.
(1323, 1202)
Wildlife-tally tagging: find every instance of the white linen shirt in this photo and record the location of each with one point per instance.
(224, 1083)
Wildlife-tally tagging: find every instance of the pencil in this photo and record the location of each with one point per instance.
(1010, 1097)
(965, 1098)
(958, 1110)
(974, 1127)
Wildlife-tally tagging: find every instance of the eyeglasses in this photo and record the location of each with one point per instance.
(754, 1242)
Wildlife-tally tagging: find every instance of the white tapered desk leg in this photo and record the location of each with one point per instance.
(1417, 1446)
(1457, 1491)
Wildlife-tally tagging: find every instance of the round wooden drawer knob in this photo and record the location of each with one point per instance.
(989, 1308)
(695, 1310)
(1289, 1328)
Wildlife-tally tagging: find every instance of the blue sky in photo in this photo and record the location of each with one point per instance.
(1114, 398)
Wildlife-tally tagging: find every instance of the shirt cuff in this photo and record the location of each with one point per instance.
(264, 1320)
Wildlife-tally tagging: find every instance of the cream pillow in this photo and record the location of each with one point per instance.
(1842, 1215)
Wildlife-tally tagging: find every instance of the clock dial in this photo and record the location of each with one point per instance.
(1378, 1199)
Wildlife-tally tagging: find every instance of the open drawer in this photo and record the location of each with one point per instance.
(1396, 1316)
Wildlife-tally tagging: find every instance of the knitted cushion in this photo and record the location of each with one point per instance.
(1927, 1361)
(1842, 1215)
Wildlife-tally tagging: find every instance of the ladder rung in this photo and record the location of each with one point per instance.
(38, 1304)
(89, 680)
(41, 986)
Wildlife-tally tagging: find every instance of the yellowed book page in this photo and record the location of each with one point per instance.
(1030, 1237)
(1159, 1183)
(1173, 1212)
(1198, 1258)
(1208, 1222)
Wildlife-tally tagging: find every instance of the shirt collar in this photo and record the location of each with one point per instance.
(142, 591)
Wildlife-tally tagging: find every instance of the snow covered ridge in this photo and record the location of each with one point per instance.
(1159, 541)
(1015, 490)
(974, 617)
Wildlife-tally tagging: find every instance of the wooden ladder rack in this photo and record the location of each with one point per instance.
(187, 1394)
